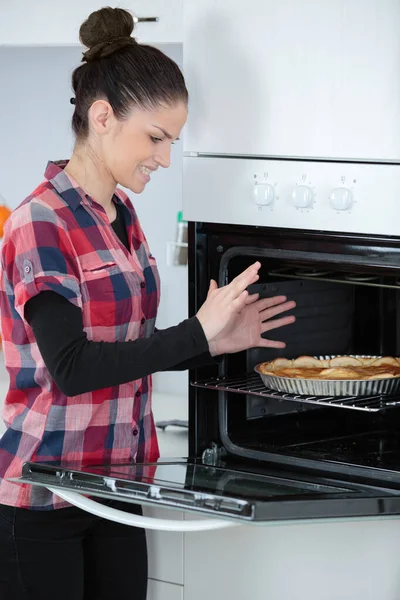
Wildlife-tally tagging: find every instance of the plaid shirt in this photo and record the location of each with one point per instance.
(59, 239)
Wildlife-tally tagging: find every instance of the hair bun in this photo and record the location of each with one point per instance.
(106, 25)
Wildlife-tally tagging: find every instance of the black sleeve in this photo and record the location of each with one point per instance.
(78, 365)
(197, 361)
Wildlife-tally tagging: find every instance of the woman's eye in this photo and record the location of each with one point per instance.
(155, 139)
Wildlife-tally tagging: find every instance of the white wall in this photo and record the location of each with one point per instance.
(35, 115)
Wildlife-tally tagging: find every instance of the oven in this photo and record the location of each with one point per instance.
(347, 291)
(292, 158)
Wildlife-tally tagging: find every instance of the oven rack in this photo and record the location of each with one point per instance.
(252, 385)
(330, 275)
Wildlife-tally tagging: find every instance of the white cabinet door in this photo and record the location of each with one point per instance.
(316, 78)
(159, 590)
(350, 560)
(53, 22)
(165, 549)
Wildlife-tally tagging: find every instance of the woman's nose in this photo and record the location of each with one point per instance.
(163, 156)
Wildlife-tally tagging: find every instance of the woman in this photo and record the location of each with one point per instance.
(79, 297)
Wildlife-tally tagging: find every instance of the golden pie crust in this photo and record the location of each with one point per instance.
(338, 368)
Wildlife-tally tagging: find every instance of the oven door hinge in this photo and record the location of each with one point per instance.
(213, 455)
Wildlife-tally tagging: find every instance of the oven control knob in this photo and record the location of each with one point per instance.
(302, 196)
(341, 199)
(263, 194)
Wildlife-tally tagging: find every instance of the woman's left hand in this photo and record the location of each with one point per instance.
(244, 331)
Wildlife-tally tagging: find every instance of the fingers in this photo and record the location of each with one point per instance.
(268, 313)
(273, 301)
(242, 281)
(271, 344)
(252, 298)
(276, 323)
(239, 303)
(213, 286)
(238, 285)
(266, 303)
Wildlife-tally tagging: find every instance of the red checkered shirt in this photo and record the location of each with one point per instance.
(59, 239)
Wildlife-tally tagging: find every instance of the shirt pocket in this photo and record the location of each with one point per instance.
(111, 299)
(97, 278)
(97, 271)
(93, 266)
(98, 290)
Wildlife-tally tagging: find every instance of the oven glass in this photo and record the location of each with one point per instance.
(339, 311)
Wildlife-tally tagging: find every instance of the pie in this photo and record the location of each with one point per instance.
(337, 368)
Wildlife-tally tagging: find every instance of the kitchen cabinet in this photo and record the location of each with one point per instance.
(165, 549)
(52, 22)
(350, 560)
(158, 590)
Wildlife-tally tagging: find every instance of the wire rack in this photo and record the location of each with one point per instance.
(253, 386)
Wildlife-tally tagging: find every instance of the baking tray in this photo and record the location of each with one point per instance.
(342, 387)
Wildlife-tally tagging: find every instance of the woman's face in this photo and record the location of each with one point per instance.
(130, 150)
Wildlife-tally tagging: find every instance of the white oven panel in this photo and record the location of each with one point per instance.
(328, 196)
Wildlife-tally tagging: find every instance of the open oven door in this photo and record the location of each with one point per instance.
(233, 495)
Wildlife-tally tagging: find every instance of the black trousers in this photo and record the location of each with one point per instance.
(69, 554)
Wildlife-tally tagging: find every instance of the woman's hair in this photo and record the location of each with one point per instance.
(118, 69)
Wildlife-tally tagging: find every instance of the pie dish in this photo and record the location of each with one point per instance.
(336, 368)
(332, 375)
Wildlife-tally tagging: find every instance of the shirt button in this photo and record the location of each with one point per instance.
(138, 393)
(142, 284)
(135, 432)
(143, 321)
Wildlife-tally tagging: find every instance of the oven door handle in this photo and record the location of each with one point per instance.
(119, 516)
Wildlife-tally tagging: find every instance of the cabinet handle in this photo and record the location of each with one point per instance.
(145, 19)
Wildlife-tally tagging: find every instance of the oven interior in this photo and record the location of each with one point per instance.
(341, 309)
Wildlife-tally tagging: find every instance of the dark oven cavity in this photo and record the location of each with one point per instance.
(347, 294)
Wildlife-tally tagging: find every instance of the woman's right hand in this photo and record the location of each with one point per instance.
(224, 303)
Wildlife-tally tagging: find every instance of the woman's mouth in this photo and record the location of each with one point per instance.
(145, 173)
